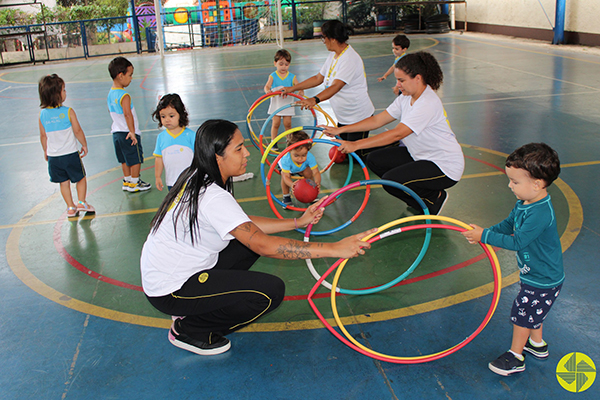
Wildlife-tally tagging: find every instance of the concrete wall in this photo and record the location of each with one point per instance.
(34, 9)
(582, 16)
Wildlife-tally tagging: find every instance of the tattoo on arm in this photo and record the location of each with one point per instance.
(245, 227)
(293, 250)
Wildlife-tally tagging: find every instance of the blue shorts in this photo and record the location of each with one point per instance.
(66, 168)
(126, 153)
(532, 305)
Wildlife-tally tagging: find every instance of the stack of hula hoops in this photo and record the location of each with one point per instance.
(382, 232)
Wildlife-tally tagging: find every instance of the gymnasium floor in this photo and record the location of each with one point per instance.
(75, 325)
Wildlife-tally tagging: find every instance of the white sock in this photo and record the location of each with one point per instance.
(134, 180)
(127, 178)
(519, 356)
(536, 344)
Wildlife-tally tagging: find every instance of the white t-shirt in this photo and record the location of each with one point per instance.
(352, 103)
(432, 138)
(167, 263)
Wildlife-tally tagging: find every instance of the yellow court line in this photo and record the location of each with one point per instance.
(16, 264)
(435, 43)
(260, 198)
(223, 69)
(537, 96)
(580, 164)
(522, 71)
(491, 43)
(99, 80)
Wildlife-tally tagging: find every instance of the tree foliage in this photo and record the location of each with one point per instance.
(66, 10)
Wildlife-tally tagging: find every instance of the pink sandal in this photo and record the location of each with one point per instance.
(85, 207)
(72, 212)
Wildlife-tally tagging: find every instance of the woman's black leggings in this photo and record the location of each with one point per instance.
(225, 298)
(424, 177)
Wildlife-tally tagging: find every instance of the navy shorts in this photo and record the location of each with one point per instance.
(126, 153)
(532, 305)
(66, 168)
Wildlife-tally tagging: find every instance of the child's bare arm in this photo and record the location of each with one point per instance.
(388, 72)
(43, 139)
(267, 87)
(78, 131)
(126, 104)
(158, 169)
(295, 82)
(287, 179)
(317, 176)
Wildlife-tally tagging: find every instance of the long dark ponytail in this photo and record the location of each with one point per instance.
(212, 138)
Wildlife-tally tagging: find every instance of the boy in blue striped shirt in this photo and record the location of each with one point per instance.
(531, 231)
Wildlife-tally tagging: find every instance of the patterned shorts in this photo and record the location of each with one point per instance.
(532, 305)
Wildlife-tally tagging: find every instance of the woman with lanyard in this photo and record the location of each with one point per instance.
(428, 158)
(196, 260)
(345, 81)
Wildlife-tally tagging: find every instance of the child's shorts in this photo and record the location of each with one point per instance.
(126, 153)
(66, 168)
(532, 305)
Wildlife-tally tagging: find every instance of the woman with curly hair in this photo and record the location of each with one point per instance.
(428, 158)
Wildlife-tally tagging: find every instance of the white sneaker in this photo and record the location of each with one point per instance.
(243, 177)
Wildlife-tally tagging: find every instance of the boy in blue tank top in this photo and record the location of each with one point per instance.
(531, 231)
(278, 79)
(125, 127)
(59, 133)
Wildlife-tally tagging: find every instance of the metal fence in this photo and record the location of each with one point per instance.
(69, 40)
(244, 23)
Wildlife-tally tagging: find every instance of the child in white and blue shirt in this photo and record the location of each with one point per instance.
(174, 149)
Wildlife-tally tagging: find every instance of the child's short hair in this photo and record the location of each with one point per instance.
(538, 159)
(118, 66)
(50, 89)
(402, 41)
(283, 53)
(296, 137)
(173, 100)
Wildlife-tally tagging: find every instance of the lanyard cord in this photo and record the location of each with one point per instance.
(333, 64)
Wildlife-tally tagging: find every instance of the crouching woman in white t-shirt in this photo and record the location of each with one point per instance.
(196, 260)
(428, 158)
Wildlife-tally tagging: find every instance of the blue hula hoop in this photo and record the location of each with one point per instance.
(415, 263)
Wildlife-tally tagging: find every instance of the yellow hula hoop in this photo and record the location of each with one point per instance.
(269, 149)
(495, 265)
(255, 138)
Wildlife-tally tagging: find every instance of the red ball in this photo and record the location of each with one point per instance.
(336, 155)
(306, 190)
